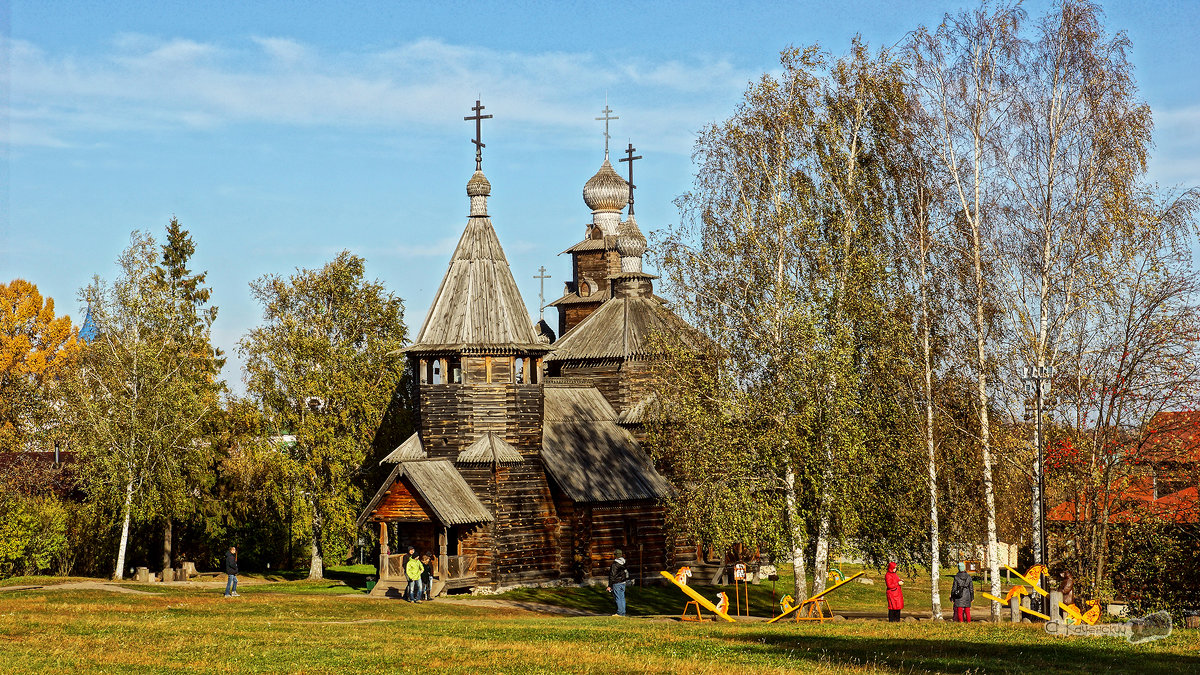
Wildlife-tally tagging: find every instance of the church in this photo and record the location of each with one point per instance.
(527, 465)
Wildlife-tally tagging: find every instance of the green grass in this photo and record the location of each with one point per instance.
(663, 598)
(285, 627)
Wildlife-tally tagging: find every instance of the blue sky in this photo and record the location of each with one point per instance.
(282, 133)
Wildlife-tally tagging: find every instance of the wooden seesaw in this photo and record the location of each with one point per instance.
(696, 597)
(813, 609)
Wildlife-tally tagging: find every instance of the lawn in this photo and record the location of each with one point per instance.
(330, 627)
(855, 597)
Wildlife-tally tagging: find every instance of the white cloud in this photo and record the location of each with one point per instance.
(146, 82)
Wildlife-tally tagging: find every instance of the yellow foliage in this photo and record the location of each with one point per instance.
(36, 348)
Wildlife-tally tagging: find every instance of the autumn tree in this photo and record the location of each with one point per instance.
(325, 368)
(783, 261)
(36, 350)
(1075, 148)
(964, 75)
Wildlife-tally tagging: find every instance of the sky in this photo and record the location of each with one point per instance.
(281, 133)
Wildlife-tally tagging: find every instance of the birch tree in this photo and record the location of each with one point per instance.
(963, 72)
(782, 260)
(1078, 137)
(136, 405)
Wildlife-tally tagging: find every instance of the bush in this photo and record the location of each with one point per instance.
(33, 533)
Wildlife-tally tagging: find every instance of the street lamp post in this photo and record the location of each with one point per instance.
(1037, 383)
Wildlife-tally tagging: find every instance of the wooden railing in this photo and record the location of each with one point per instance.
(459, 566)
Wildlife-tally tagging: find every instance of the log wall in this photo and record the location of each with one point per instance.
(637, 528)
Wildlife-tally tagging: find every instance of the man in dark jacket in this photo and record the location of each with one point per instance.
(231, 569)
(618, 575)
(963, 594)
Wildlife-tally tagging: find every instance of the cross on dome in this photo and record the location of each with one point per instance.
(607, 117)
(478, 140)
(629, 157)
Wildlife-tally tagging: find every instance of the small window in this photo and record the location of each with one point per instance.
(519, 370)
(436, 378)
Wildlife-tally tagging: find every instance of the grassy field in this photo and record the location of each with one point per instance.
(330, 627)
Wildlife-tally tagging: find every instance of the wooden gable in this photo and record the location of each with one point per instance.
(402, 503)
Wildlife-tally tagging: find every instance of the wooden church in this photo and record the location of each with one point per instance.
(526, 467)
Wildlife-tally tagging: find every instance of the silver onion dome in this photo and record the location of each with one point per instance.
(606, 191)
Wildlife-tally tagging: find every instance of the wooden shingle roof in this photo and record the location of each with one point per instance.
(441, 487)
(477, 304)
(491, 448)
(591, 458)
(621, 329)
(408, 450)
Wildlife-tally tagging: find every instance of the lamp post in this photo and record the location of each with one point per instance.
(1037, 383)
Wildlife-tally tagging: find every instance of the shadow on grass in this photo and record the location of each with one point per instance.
(654, 600)
(968, 655)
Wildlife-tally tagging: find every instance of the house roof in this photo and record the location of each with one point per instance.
(491, 448)
(478, 303)
(440, 485)
(1172, 437)
(408, 450)
(1133, 500)
(621, 328)
(591, 458)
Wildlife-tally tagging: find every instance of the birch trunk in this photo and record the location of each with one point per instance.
(821, 559)
(316, 565)
(985, 431)
(935, 552)
(796, 531)
(119, 573)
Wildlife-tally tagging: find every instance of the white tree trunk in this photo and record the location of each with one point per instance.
(316, 566)
(119, 573)
(821, 559)
(935, 551)
(796, 534)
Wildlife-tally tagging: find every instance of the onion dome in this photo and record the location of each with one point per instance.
(478, 189)
(606, 191)
(478, 186)
(631, 244)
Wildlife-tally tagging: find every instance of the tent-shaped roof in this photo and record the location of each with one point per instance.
(408, 450)
(589, 456)
(478, 304)
(490, 448)
(439, 485)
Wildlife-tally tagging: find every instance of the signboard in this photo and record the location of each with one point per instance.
(739, 572)
(972, 566)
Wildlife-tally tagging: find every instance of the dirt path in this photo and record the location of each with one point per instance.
(515, 604)
(79, 586)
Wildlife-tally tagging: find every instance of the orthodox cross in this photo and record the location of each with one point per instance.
(542, 277)
(629, 157)
(478, 140)
(606, 119)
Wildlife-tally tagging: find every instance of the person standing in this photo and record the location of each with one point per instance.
(618, 576)
(413, 569)
(426, 575)
(895, 595)
(963, 594)
(231, 569)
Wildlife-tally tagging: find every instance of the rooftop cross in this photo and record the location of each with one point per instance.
(542, 277)
(629, 157)
(606, 119)
(478, 140)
